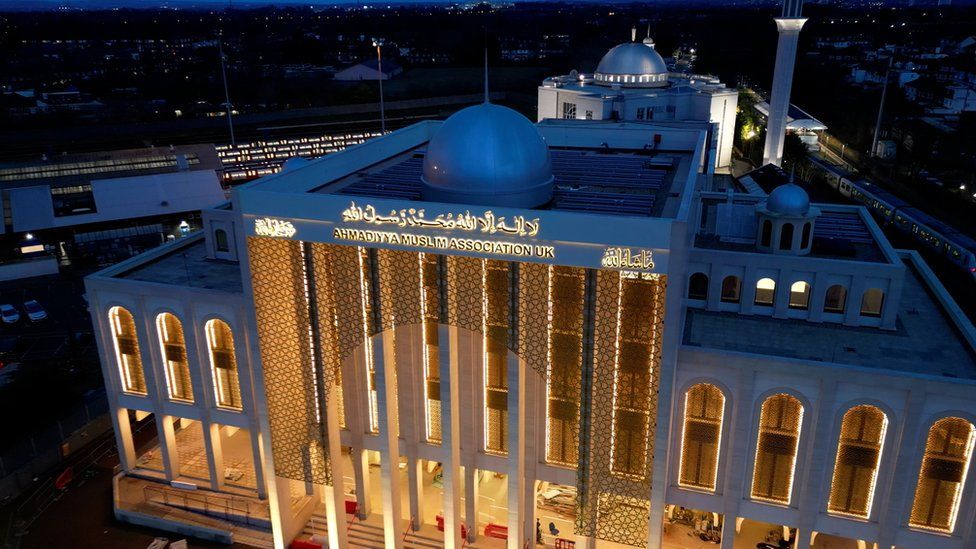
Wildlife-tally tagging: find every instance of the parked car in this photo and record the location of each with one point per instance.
(35, 312)
(8, 314)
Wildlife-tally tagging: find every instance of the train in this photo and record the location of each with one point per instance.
(957, 247)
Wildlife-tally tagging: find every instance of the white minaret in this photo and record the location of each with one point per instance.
(789, 26)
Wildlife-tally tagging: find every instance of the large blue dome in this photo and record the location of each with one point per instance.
(488, 154)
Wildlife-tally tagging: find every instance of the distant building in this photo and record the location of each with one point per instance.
(632, 83)
(798, 122)
(367, 70)
(105, 206)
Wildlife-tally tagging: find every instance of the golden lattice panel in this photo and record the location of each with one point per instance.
(282, 319)
(621, 391)
(779, 435)
(940, 481)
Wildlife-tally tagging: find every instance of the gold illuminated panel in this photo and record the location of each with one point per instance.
(862, 435)
(367, 314)
(430, 303)
(172, 348)
(127, 350)
(565, 287)
(223, 364)
(323, 269)
(620, 405)
(281, 306)
(497, 295)
(943, 475)
(701, 437)
(779, 435)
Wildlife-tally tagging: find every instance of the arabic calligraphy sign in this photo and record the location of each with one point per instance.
(487, 223)
(274, 227)
(493, 247)
(627, 259)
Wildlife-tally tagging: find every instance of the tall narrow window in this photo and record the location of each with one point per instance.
(220, 240)
(786, 237)
(701, 437)
(862, 435)
(779, 435)
(223, 364)
(871, 302)
(127, 350)
(633, 371)
(173, 350)
(943, 475)
(767, 233)
(805, 236)
(565, 354)
(835, 299)
(731, 287)
(765, 291)
(799, 295)
(430, 314)
(698, 286)
(496, 324)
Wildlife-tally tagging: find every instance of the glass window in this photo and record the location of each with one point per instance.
(872, 302)
(765, 291)
(220, 240)
(767, 233)
(731, 287)
(172, 348)
(569, 110)
(698, 286)
(862, 435)
(805, 236)
(640, 113)
(779, 435)
(701, 437)
(223, 364)
(799, 295)
(589, 115)
(127, 350)
(835, 299)
(786, 237)
(943, 475)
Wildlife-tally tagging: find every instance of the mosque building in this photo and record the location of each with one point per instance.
(485, 332)
(632, 83)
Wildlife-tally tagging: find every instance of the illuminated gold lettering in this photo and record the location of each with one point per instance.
(487, 223)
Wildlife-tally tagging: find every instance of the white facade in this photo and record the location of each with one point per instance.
(908, 356)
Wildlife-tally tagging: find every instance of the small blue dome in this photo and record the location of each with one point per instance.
(491, 155)
(788, 199)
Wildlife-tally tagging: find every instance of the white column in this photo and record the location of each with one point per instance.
(252, 433)
(167, 446)
(335, 500)
(415, 484)
(451, 437)
(471, 495)
(360, 467)
(123, 439)
(516, 453)
(215, 454)
(385, 366)
(779, 100)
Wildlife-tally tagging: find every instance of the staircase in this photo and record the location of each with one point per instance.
(361, 534)
(368, 535)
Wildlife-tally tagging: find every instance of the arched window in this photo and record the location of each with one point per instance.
(223, 364)
(767, 233)
(805, 236)
(173, 349)
(872, 302)
(220, 240)
(862, 435)
(779, 435)
(786, 237)
(765, 291)
(835, 299)
(127, 350)
(731, 288)
(943, 475)
(698, 286)
(799, 295)
(700, 439)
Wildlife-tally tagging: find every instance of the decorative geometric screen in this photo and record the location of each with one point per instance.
(862, 435)
(701, 436)
(173, 350)
(620, 391)
(779, 434)
(943, 475)
(223, 364)
(497, 325)
(565, 360)
(430, 303)
(127, 350)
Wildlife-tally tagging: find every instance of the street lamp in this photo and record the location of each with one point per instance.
(378, 44)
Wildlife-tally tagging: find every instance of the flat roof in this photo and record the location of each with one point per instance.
(586, 180)
(188, 266)
(925, 341)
